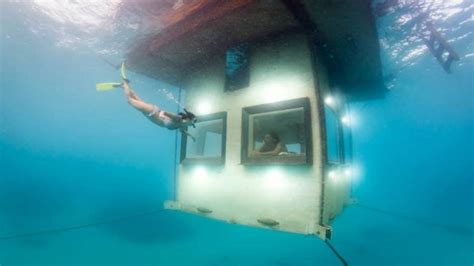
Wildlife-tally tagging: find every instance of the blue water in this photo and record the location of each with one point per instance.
(71, 156)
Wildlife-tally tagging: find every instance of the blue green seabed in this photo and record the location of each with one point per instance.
(71, 156)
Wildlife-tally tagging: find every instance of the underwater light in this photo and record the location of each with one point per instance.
(274, 173)
(332, 174)
(275, 179)
(204, 107)
(346, 120)
(335, 175)
(200, 170)
(348, 172)
(351, 119)
(276, 87)
(274, 97)
(356, 173)
(329, 100)
(200, 173)
(199, 179)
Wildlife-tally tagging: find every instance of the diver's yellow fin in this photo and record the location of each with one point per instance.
(112, 85)
(107, 86)
(122, 71)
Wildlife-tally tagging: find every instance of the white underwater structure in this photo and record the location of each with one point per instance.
(250, 67)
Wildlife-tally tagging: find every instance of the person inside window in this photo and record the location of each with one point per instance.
(271, 145)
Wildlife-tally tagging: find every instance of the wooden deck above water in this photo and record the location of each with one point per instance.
(191, 34)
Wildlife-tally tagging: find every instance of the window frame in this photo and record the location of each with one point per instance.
(305, 159)
(338, 138)
(211, 160)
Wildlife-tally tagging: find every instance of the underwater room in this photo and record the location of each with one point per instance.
(239, 132)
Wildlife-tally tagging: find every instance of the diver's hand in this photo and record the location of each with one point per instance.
(187, 134)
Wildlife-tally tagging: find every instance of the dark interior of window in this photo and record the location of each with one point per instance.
(237, 67)
(277, 133)
(209, 143)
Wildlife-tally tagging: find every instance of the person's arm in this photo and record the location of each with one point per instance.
(258, 151)
(187, 134)
(276, 151)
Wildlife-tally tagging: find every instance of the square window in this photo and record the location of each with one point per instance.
(237, 73)
(277, 133)
(210, 135)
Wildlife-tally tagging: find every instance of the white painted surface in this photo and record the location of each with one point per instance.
(280, 70)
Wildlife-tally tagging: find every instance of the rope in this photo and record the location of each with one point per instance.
(339, 256)
(78, 227)
(451, 228)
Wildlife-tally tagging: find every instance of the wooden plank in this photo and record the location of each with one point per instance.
(186, 11)
(209, 10)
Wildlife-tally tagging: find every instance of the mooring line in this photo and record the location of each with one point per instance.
(77, 227)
